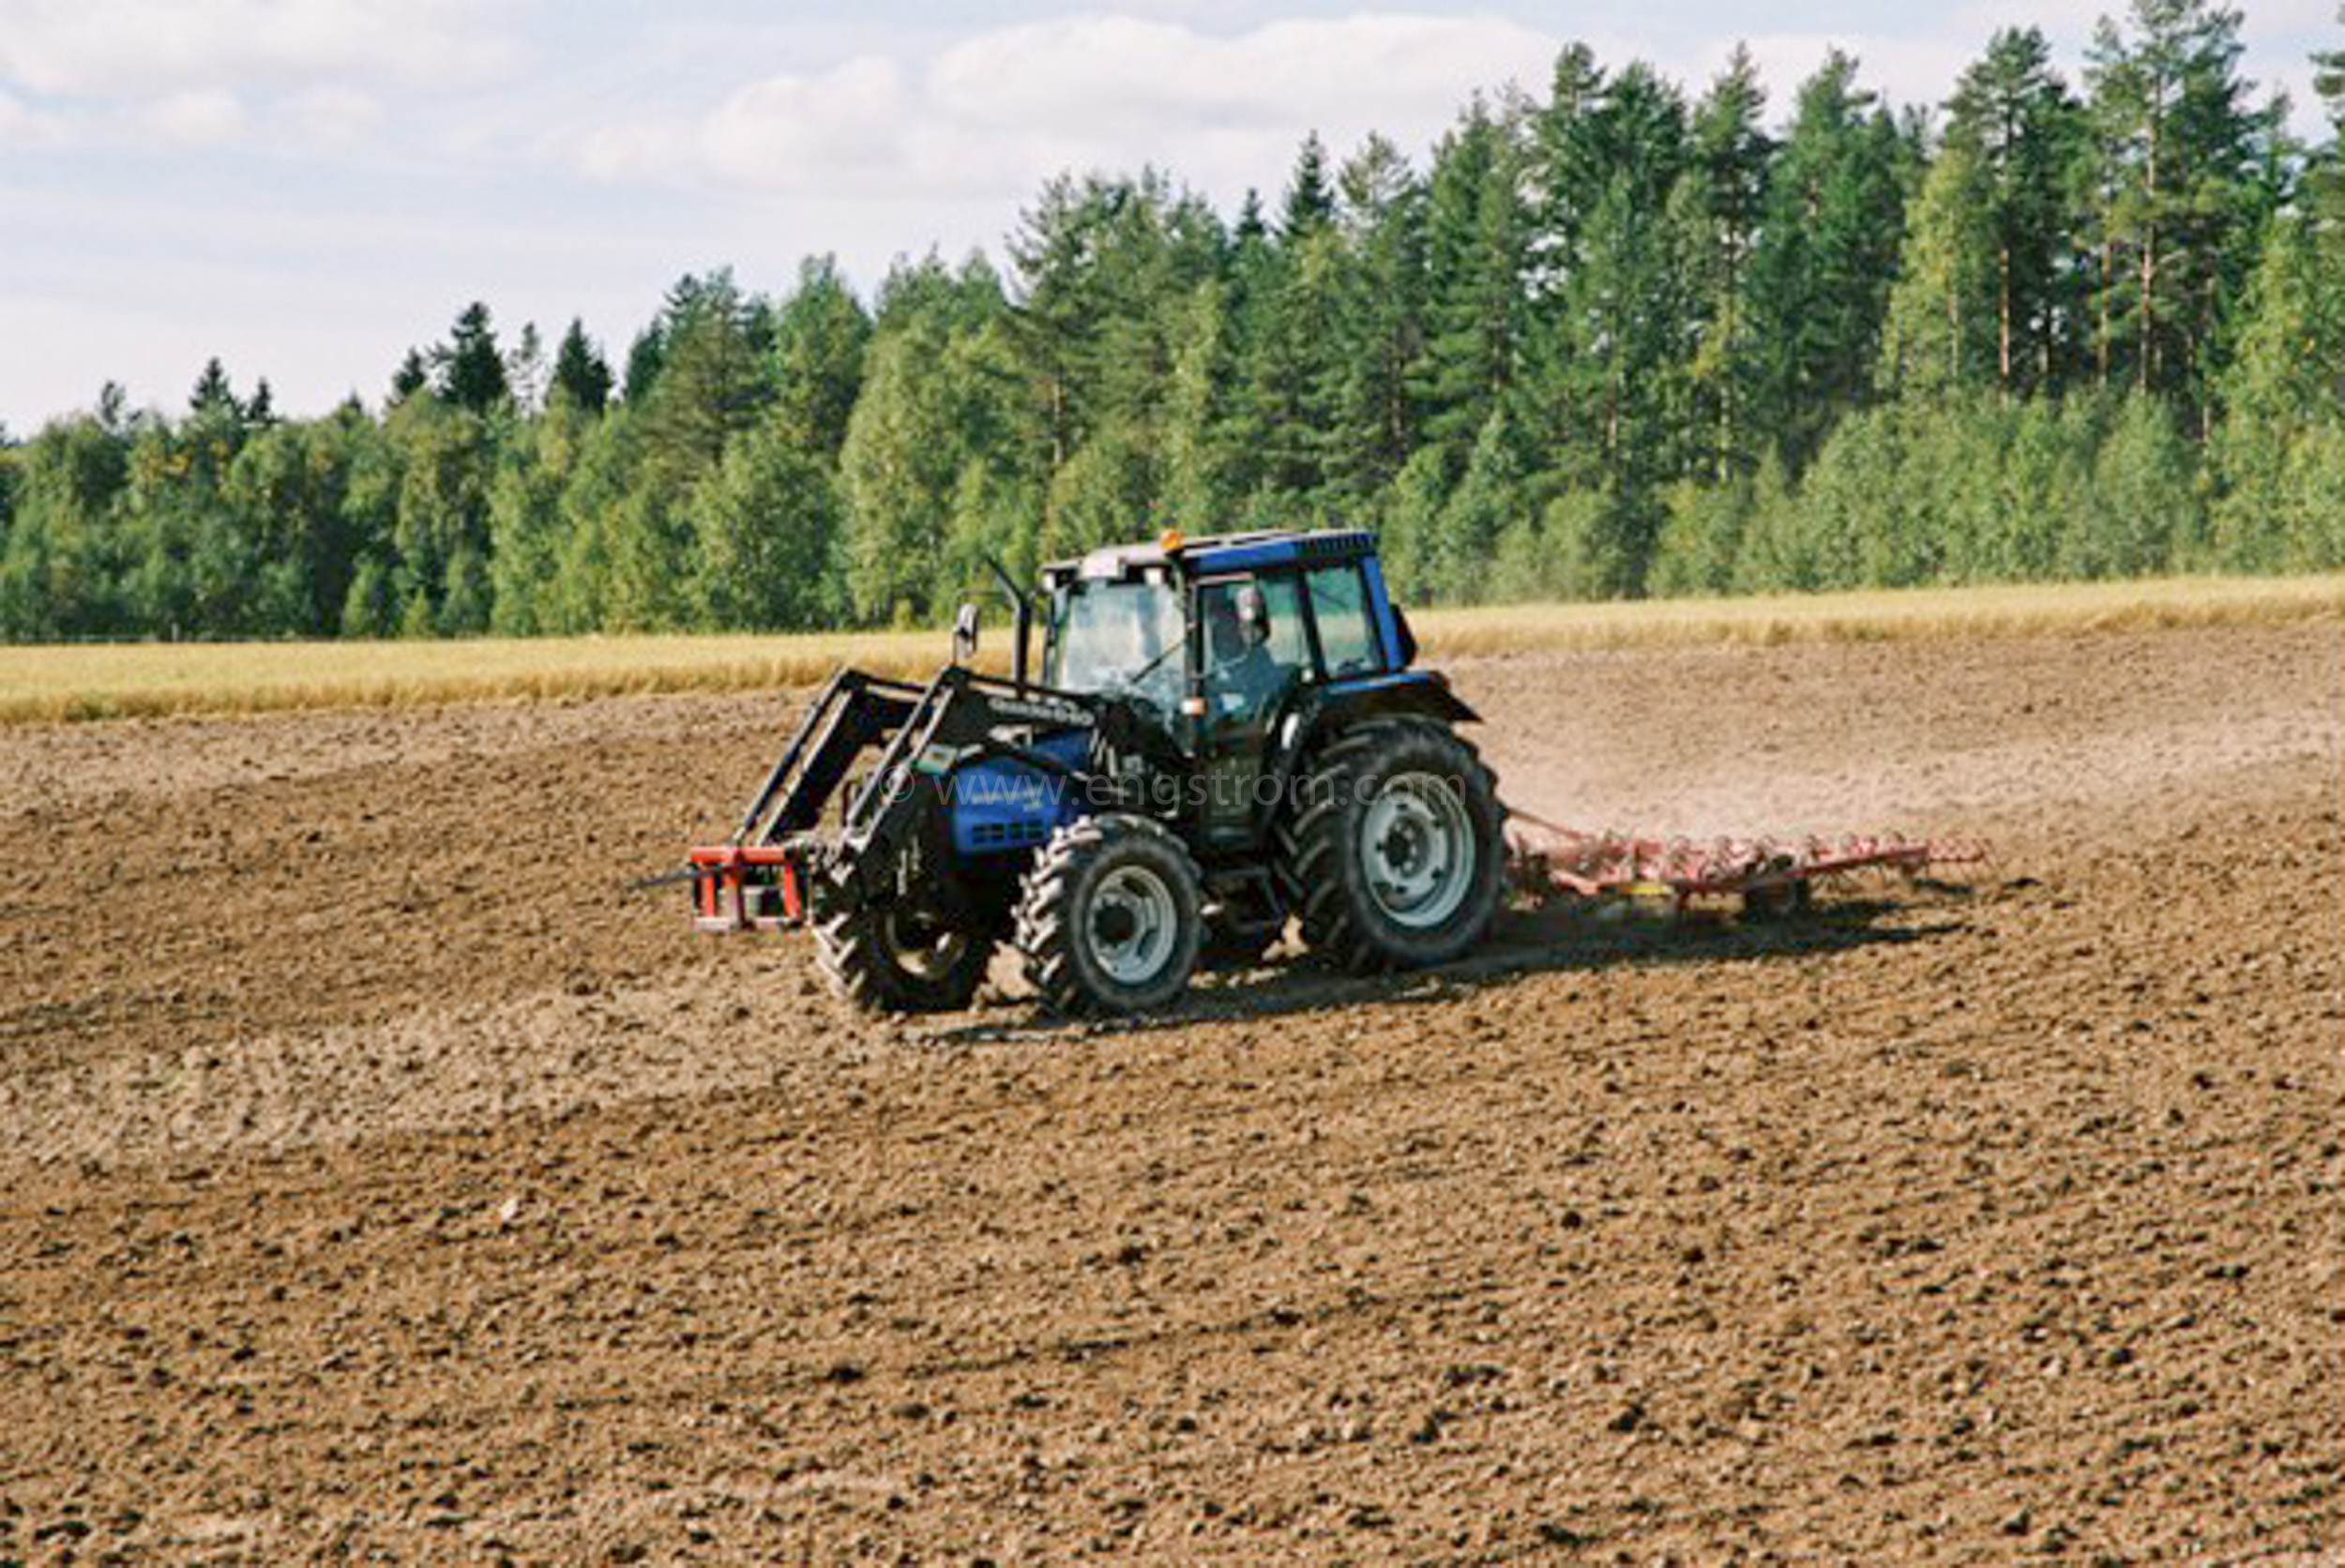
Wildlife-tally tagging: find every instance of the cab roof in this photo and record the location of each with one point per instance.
(1217, 552)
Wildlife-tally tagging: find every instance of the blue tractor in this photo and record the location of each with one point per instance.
(1226, 734)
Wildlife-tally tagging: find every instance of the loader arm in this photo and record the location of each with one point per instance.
(854, 711)
(895, 823)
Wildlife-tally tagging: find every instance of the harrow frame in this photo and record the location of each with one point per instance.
(1548, 861)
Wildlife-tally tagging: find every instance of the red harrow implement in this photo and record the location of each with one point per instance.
(1546, 861)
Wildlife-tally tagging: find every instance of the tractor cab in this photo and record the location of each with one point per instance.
(1215, 642)
(1220, 630)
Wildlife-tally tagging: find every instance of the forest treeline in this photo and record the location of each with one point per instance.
(1618, 340)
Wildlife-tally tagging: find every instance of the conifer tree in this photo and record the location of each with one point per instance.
(1945, 333)
(1293, 369)
(1310, 205)
(2016, 120)
(1610, 377)
(1380, 216)
(2328, 177)
(1826, 258)
(410, 378)
(469, 368)
(1474, 260)
(582, 377)
(2180, 191)
(714, 381)
(213, 396)
(1718, 215)
(821, 333)
(1101, 267)
(645, 357)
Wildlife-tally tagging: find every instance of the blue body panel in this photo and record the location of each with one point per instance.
(1243, 558)
(1253, 554)
(1000, 805)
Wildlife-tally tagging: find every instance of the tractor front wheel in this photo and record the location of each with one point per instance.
(900, 960)
(1395, 857)
(1108, 918)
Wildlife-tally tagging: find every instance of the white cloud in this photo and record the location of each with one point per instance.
(156, 48)
(22, 125)
(849, 123)
(196, 119)
(186, 75)
(332, 115)
(998, 110)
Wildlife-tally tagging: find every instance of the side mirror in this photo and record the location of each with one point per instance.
(965, 633)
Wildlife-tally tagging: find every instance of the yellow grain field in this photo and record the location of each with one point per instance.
(48, 683)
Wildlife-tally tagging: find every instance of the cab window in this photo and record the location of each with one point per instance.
(1339, 605)
(1243, 679)
(1117, 636)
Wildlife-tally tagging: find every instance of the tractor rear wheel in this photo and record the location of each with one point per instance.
(898, 959)
(1108, 918)
(1394, 856)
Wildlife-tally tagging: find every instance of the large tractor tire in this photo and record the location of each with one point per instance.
(899, 959)
(1395, 856)
(1108, 918)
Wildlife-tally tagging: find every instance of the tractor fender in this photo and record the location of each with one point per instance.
(1422, 693)
(1327, 711)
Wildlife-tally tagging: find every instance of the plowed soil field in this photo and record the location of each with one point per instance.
(381, 1178)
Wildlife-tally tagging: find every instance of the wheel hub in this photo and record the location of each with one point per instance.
(1133, 923)
(1404, 846)
(922, 946)
(1417, 850)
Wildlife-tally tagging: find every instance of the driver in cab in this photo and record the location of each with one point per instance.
(1242, 676)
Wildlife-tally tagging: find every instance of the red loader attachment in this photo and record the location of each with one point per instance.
(748, 887)
(759, 881)
(1548, 861)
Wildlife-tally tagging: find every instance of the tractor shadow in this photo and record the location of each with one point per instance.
(1553, 939)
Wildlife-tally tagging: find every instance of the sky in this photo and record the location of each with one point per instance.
(306, 189)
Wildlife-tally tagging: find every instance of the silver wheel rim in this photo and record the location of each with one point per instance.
(1131, 925)
(1417, 846)
(921, 947)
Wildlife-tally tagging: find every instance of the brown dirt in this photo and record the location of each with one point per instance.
(384, 1178)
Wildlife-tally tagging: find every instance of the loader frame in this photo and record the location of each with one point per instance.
(765, 879)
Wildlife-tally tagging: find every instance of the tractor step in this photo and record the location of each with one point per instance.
(1546, 861)
(748, 887)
